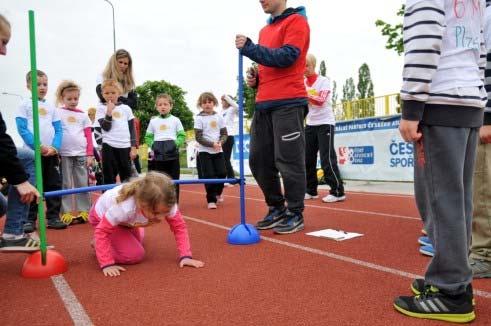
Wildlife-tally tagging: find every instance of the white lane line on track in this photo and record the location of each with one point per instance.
(362, 193)
(73, 306)
(346, 259)
(328, 208)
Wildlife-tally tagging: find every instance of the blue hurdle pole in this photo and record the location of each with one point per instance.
(242, 234)
(65, 192)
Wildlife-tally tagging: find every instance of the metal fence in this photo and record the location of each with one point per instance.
(369, 107)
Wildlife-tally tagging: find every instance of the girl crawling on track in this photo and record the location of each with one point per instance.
(120, 214)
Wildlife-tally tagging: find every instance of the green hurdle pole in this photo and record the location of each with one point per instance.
(37, 143)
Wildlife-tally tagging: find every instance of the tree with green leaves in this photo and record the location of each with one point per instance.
(365, 84)
(365, 90)
(250, 101)
(349, 91)
(146, 103)
(249, 96)
(393, 33)
(335, 95)
(322, 68)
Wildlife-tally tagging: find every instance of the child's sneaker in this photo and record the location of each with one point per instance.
(309, 196)
(212, 206)
(427, 250)
(67, 218)
(22, 243)
(56, 224)
(333, 199)
(220, 199)
(293, 222)
(273, 218)
(424, 241)
(480, 268)
(433, 304)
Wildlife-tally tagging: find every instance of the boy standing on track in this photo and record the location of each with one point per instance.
(443, 99)
(277, 133)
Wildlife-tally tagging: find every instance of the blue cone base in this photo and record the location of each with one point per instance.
(243, 234)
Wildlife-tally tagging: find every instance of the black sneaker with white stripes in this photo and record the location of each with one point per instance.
(419, 285)
(22, 244)
(434, 304)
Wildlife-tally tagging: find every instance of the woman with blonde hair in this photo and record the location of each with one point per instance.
(120, 68)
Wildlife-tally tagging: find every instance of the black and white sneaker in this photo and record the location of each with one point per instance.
(433, 304)
(274, 217)
(419, 286)
(22, 244)
(293, 222)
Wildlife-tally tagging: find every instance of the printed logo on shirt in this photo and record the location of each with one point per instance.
(213, 124)
(71, 119)
(313, 91)
(43, 112)
(116, 115)
(163, 127)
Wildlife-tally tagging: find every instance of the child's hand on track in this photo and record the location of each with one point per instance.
(191, 262)
(114, 270)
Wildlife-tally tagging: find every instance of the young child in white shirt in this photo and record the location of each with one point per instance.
(164, 136)
(118, 134)
(211, 134)
(50, 133)
(76, 152)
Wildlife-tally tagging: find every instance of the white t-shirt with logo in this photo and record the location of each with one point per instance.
(320, 114)
(211, 125)
(74, 140)
(119, 134)
(47, 115)
(462, 37)
(164, 128)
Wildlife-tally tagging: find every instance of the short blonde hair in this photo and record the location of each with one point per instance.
(112, 83)
(39, 73)
(151, 190)
(65, 86)
(166, 96)
(312, 60)
(207, 96)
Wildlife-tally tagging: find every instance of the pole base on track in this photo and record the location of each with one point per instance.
(243, 234)
(33, 267)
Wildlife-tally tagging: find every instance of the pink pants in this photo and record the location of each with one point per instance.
(126, 243)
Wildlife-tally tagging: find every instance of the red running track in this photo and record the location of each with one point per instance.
(284, 280)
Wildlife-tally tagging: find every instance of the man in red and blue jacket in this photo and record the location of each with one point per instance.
(277, 132)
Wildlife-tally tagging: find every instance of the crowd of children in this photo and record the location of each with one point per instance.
(442, 96)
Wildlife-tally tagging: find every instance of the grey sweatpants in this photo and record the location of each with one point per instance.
(278, 147)
(481, 220)
(444, 165)
(74, 175)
